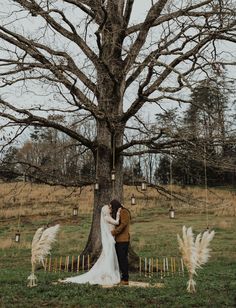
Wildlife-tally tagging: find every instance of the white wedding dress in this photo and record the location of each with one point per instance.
(106, 269)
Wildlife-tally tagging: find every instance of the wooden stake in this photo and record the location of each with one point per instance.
(171, 264)
(157, 266)
(160, 266)
(149, 267)
(78, 261)
(67, 263)
(88, 262)
(179, 269)
(45, 264)
(140, 266)
(49, 264)
(161, 269)
(182, 265)
(167, 266)
(60, 262)
(145, 266)
(72, 263)
(83, 263)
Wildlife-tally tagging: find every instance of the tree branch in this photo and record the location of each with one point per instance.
(33, 120)
(153, 13)
(73, 36)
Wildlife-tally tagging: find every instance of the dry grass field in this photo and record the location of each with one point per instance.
(30, 200)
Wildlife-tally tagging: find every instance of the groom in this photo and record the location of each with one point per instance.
(122, 237)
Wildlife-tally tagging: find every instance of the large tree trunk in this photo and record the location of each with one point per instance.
(106, 159)
(108, 189)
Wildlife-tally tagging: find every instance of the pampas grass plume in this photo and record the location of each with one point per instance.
(41, 247)
(195, 253)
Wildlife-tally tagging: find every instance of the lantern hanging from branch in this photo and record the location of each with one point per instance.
(17, 236)
(144, 186)
(113, 175)
(133, 201)
(96, 185)
(171, 213)
(75, 211)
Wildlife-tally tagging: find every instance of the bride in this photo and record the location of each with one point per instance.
(106, 269)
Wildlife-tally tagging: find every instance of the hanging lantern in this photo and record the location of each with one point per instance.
(113, 175)
(75, 211)
(96, 185)
(144, 186)
(133, 201)
(171, 213)
(17, 236)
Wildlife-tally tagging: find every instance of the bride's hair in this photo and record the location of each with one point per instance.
(115, 205)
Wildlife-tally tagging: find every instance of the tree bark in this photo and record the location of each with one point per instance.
(106, 160)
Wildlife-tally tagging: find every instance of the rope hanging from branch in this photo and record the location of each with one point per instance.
(206, 187)
(113, 172)
(171, 176)
(96, 185)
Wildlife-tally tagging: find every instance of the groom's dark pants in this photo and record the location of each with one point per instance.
(122, 255)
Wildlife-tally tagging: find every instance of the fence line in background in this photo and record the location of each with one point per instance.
(159, 266)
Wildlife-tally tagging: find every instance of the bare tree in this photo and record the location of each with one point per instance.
(90, 58)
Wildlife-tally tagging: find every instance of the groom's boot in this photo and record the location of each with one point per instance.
(124, 283)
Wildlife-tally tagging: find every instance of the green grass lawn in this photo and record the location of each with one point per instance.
(153, 235)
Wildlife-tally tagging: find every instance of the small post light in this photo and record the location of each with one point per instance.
(17, 236)
(133, 201)
(144, 186)
(96, 185)
(171, 213)
(75, 210)
(113, 175)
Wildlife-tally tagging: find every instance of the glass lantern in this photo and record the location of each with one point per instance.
(96, 186)
(17, 236)
(133, 201)
(171, 213)
(75, 211)
(113, 175)
(144, 186)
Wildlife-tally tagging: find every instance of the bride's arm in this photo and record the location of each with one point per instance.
(113, 221)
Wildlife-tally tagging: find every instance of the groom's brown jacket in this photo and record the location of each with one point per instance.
(121, 232)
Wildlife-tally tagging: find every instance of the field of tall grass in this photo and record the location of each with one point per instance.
(30, 200)
(153, 234)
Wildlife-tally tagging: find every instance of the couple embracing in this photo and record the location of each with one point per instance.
(111, 268)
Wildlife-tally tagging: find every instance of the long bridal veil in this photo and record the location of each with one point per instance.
(106, 270)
